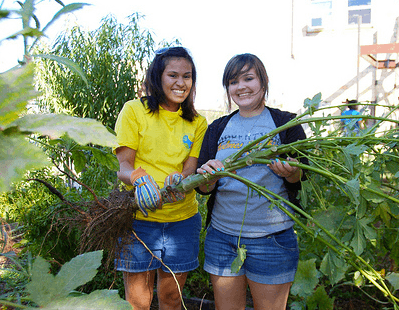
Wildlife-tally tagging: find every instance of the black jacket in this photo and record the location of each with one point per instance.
(210, 146)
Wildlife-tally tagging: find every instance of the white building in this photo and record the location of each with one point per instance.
(326, 43)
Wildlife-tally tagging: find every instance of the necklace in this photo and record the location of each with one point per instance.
(240, 121)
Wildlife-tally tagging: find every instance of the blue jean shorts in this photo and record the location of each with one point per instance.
(176, 243)
(272, 259)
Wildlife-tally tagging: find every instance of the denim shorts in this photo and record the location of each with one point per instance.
(272, 259)
(176, 243)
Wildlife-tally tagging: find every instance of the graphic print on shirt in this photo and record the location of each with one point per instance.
(187, 142)
(226, 142)
(262, 217)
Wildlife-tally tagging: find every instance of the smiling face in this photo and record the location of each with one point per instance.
(247, 92)
(176, 83)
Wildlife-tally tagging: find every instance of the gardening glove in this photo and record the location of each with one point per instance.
(146, 191)
(172, 195)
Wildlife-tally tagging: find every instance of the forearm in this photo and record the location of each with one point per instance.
(126, 158)
(207, 188)
(296, 177)
(124, 176)
(189, 166)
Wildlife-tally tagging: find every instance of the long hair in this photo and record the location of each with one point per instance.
(241, 64)
(153, 81)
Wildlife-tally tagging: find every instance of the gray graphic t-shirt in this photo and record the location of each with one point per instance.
(262, 218)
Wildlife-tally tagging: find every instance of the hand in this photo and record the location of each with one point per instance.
(285, 170)
(211, 166)
(172, 195)
(146, 191)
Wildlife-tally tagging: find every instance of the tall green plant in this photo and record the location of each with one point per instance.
(114, 57)
(32, 31)
(21, 152)
(350, 200)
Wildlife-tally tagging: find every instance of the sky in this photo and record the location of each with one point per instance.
(213, 31)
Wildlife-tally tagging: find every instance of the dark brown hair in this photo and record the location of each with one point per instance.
(153, 81)
(241, 64)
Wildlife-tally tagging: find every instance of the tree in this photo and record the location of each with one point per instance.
(114, 57)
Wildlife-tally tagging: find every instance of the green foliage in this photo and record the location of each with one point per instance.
(320, 300)
(54, 292)
(16, 90)
(333, 267)
(239, 260)
(16, 204)
(198, 283)
(393, 278)
(55, 126)
(26, 14)
(114, 56)
(100, 299)
(17, 154)
(45, 287)
(306, 278)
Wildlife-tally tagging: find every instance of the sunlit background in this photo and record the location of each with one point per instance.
(307, 46)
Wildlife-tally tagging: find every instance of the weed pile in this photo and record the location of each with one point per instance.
(107, 223)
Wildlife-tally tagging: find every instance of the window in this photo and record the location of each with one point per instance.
(358, 2)
(359, 8)
(321, 13)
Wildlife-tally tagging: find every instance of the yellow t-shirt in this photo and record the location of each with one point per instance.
(163, 141)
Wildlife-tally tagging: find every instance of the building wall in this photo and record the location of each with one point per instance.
(325, 59)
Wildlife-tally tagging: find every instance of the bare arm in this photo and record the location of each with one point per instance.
(189, 166)
(126, 157)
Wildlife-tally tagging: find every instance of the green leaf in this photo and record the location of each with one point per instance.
(4, 13)
(26, 12)
(106, 158)
(306, 278)
(16, 89)
(97, 300)
(373, 197)
(26, 32)
(392, 166)
(320, 300)
(66, 9)
(330, 219)
(45, 288)
(239, 260)
(41, 288)
(298, 305)
(358, 279)
(79, 160)
(78, 271)
(312, 104)
(355, 149)
(393, 278)
(333, 267)
(354, 191)
(363, 232)
(82, 130)
(383, 210)
(316, 99)
(17, 156)
(348, 161)
(74, 67)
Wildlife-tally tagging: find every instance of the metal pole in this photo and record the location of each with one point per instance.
(292, 29)
(359, 21)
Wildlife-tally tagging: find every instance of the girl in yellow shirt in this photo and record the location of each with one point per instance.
(159, 138)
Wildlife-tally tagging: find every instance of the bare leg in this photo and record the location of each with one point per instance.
(168, 293)
(271, 297)
(139, 288)
(230, 292)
